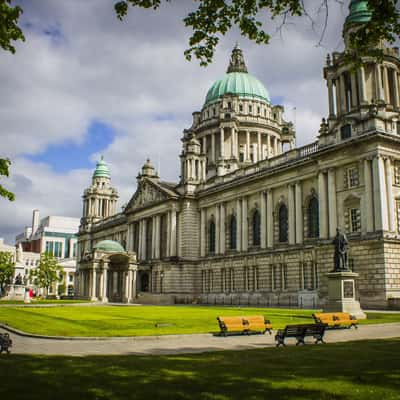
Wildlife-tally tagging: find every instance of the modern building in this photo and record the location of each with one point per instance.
(252, 219)
(56, 235)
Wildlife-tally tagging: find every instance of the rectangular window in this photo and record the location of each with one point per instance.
(396, 173)
(49, 247)
(240, 107)
(74, 250)
(355, 220)
(352, 177)
(284, 276)
(345, 132)
(250, 109)
(232, 280)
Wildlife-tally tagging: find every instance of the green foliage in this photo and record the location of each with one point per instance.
(4, 171)
(6, 267)
(47, 272)
(9, 29)
(214, 18)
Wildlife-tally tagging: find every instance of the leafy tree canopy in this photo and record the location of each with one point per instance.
(47, 272)
(214, 18)
(6, 267)
(4, 171)
(9, 29)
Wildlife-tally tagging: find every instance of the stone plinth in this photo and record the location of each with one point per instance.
(341, 294)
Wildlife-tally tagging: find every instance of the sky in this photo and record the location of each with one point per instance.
(85, 84)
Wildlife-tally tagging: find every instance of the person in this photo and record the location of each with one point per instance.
(340, 258)
(18, 279)
(27, 298)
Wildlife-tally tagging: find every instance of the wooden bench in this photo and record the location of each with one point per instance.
(300, 332)
(246, 324)
(258, 323)
(336, 320)
(5, 342)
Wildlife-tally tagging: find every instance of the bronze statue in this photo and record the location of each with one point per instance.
(341, 245)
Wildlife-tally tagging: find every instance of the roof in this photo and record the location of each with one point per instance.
(359, 12)
(110, 246)
(102, 169)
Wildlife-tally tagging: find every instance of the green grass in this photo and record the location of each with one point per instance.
(346, 371)
(145, 320)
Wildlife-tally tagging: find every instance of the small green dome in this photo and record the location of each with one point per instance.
(359, 12)
(101, 170)
(238, 83)
(109, 245)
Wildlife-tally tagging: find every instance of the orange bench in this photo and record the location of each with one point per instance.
(254, 323)
(336, 320)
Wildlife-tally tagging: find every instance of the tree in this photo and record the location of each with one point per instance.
(47, 272)
(4, 171)
(214, 18)
(6, 268)
(9, 29)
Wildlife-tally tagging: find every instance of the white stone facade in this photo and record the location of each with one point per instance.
(253, 218)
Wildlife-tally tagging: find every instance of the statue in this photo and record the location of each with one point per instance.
(340, 258)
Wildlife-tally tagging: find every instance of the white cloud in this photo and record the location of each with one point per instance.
(131, 75)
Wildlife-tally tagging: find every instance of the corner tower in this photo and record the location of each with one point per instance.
(237, 125)
(364, 96)
(100, 199)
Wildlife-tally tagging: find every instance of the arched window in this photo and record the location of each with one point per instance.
(256, 228)
(211, 237)
(283, 223)
(232, 233)
(313, 218)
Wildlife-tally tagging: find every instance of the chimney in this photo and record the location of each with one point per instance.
(35, 221)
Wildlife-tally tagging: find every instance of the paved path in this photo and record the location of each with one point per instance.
(175, 344)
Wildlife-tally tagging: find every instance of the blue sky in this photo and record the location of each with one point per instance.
(69, 155)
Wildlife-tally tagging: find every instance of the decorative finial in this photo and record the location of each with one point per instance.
(236, 63)
(328, 60)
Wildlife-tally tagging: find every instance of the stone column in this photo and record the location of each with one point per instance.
(217, 229)
(263, 213)
(144, 244)
(126, 287)
(337, 89)
(291, 220)
(204, 145)
(168, 244)
(247, 145)
(105, 283)
(389, 190)
(134, 273)
(153, 237)
(139, 254)
(268, 146)
(353, 82)
(94, 281)
(202, 232)
(378, 83)
(130, 275)
(101, 285)
(213, 148)
(173, 233)
(158, 244)
(222, 143)
(299, 213)
(245, 229)
(260, 157)
(332, 202)
(361, 85)
(342, 94)
(322, 203)
(381, 215)
(368, 210)
(238, 225)
(386, 93)
(270, 219)
(396, 89)
(331, 99)
(275, 146)
(222, 228)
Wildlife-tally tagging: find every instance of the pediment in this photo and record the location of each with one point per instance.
(147, 193)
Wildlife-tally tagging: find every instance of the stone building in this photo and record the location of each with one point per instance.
(252, 219)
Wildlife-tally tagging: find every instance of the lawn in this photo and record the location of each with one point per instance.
(145, 320)
(43, 301)
(346, 371)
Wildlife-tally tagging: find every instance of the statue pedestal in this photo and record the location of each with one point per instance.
(341, 294)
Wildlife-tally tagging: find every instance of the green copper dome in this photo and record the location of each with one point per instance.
(101, 170)
(110, 246)
(237, 81)
(359, 12)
